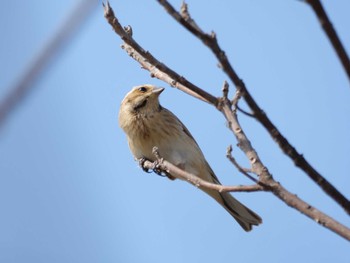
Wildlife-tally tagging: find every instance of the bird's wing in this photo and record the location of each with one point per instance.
(187, 132)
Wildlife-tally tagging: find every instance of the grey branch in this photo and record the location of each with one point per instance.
(266, 180)
(150, 63)
(174, 171)
(211, 42)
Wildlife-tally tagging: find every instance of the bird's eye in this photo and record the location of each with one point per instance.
(143, 89)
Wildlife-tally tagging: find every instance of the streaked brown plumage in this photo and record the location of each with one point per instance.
(147, 124)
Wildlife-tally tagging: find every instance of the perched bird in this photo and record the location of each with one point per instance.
(147, 124)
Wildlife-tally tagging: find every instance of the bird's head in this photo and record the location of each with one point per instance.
(142, 99)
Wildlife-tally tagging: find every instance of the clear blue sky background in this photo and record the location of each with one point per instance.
(69, 188)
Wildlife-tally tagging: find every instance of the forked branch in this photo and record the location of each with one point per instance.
(211, 42)
(266, 181)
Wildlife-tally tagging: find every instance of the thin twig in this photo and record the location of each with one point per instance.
(211, 42)
(331, 33)
(154, 66)
(266, 180)
(257, 167)
(168, 168)
(245, 112)
(244, 171)
(234, 103)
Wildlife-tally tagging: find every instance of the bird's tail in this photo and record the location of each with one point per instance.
(242, 214)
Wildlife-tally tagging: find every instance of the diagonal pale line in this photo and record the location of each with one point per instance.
(26, 83)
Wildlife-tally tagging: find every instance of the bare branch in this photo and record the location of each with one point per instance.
(154, 66)
(331, 33)
(211, 42)
(186, 15)
(169, 168)
(324, 220)
(266, 180)
(257, 167)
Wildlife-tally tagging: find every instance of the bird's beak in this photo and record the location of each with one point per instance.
(157, 91)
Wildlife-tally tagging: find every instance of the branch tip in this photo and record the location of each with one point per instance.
(184, 11)
(236, 98)
(229, 151)
(108, 11)
(225, 89)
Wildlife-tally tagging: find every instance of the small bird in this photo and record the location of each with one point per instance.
(147, 124)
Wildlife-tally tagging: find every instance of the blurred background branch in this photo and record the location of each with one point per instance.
(54, 46)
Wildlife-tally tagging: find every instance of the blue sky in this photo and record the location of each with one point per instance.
(70, 190)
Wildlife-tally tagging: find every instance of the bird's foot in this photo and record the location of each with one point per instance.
(154, 169)
(141, 164)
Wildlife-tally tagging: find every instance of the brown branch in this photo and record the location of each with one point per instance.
(174, 171)
(211, 42)
(257, 167)
(266, 180)
(154, 66)
(294, 201)
(331, 33)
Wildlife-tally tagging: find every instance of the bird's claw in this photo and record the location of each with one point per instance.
(141, 164)
(157, 170)
(154, 169)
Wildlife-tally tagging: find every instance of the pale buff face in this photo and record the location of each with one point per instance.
(142, 99)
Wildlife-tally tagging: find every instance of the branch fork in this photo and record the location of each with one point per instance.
(265, 181)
